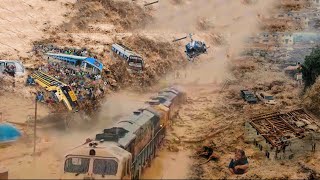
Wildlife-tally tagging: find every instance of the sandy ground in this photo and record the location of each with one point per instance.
(18, 109)
(23, 21)
(24, 165)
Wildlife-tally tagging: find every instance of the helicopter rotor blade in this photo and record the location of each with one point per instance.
(180, 39)
(147, 4)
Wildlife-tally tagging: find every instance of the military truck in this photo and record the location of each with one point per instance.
(248, 96)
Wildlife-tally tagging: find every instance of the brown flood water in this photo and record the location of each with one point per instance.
(169, 165)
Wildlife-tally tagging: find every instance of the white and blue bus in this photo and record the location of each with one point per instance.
(86, 63)
(134, 60)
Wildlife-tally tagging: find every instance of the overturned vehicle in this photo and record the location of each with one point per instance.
(12, 67)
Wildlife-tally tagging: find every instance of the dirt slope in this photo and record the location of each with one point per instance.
(23, 22)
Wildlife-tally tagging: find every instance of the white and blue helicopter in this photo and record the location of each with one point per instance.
(193, 48)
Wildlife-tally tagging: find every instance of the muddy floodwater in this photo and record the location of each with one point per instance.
(169, 165)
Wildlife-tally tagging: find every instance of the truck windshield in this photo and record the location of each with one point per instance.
(269, 98)
(77, 165)
(249, 96)
(105, 166)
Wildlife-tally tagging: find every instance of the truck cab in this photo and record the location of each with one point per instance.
(248, 96)
(266, 98)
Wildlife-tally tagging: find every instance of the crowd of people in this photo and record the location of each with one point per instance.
(86, 86)
(55, 49)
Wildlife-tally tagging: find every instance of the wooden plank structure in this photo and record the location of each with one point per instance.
(279, 128)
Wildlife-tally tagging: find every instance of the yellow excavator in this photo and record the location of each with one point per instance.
(62, 91)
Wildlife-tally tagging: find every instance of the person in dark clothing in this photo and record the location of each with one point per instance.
(208, 153)
(10, 70)
(30, 80)
(240, 164)
(40, 96)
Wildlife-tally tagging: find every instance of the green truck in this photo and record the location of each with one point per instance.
(248, 96)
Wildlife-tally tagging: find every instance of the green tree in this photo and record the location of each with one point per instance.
(311, 67)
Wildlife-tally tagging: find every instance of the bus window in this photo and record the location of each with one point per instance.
(2, 66)
(78, 63)
(11, 64)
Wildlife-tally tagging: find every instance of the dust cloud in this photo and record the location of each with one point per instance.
(119, 105)
(221, 13)
(22, 22)
(211, 69)
(233, 21)
(115, 107)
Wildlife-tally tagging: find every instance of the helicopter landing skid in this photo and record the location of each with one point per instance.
(191, 59)
(192, 56)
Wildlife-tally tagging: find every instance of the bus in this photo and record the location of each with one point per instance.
(134, 61)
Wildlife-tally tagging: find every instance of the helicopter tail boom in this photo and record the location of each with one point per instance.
(148, 4)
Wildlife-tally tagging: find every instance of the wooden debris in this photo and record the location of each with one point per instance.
(201, 139)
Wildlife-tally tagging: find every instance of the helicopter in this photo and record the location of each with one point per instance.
(193, 48)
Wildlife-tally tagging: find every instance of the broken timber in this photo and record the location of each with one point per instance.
(203, 138)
